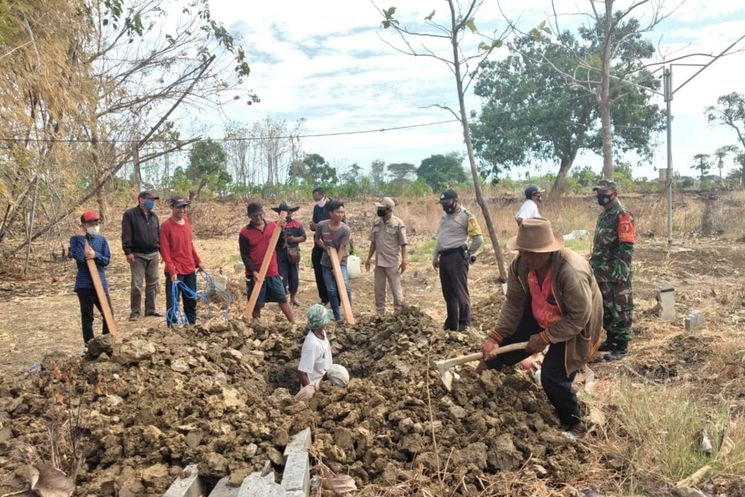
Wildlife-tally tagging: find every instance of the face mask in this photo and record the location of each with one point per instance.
(604, 199)
(149, 204)
(321, 202)
(449, 209)
(93, 230)
(381, 212)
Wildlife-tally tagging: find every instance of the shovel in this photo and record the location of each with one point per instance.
(443, 366)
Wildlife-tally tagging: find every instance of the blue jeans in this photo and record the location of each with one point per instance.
(328, 278)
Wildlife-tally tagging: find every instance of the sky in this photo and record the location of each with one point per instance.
(328, 63)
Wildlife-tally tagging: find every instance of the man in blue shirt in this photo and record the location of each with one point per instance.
(98, 250)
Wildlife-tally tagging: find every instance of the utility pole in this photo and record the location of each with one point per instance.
(667, 77)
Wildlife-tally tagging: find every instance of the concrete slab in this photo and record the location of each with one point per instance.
(297, 473)
(256, 485)
(694, 320)
(666, 300)
(300, 442)
(188, 485)
(222, 489)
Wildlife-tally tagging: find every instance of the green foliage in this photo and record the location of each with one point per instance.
(532, 113)
(377, 175)
(401, 171)
(442, 171)
(702, 163)
(208, 166)
(422, 252)
(316, 171)
(585, 177)
(180, 182)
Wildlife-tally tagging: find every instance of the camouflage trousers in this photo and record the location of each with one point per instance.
(618, 310)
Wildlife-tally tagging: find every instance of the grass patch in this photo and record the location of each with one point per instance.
(423, 251)
(658, 431)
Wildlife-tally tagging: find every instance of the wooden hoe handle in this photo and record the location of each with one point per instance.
(254, 297)
(107, 315)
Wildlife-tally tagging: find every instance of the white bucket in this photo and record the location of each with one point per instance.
(353, 266)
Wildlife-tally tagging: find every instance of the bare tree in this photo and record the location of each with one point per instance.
(461, 21)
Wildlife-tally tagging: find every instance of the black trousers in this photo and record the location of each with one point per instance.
(554, 378)
(190, 303)
(88, 298)
(454, 282)
(289, 271)
(315, 257)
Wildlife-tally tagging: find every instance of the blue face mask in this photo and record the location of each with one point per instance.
(149, 204)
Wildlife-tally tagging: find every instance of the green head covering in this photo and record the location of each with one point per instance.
(318, 317)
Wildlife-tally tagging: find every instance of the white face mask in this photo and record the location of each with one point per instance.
(93, 230)
(321, 202)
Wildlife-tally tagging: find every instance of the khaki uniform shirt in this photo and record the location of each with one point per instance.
(388, 238)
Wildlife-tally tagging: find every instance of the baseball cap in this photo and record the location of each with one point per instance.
(179, 202)
(385, 203)
(532, 190)
(89, 216)
(148, 195)
(605, 184)
(447, 196)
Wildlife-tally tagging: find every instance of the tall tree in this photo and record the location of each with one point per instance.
(721, 153)
(458, 22)
(442, 171)
(401, 172)
(620, 55)
(207, 165)
(316, 171)
(730, 111)
(702, 163)
(531, 113)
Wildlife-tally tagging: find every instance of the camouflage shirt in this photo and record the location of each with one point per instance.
(613, 246)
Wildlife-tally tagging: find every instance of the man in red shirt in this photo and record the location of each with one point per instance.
(253, 242)
(181, 261)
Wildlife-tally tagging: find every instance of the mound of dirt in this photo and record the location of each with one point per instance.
(221, 396)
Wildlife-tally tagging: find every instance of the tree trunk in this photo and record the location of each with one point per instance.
(469, 148)
(560, 182)
(605, 101)
(137, 169)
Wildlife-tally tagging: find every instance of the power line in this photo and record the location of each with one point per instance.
(233, 139)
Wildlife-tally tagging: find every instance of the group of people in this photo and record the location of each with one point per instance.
(554, 297)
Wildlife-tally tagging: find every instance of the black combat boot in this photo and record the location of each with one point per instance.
(622, 348)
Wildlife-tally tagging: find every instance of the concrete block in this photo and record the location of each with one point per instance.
(188, 485)
(694, 320)
(666, 301)
(222, 489)
(256, 485)
(300, 442)
(297, 473)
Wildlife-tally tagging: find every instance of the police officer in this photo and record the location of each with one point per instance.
(452, 256)
(612, 251)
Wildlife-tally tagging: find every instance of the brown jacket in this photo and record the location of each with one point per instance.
(579, 300)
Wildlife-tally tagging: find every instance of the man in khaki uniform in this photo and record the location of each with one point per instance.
(388, 244)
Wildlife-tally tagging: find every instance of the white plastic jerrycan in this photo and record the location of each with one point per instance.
(353, 266)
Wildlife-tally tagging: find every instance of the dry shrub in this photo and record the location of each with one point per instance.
(656, 431)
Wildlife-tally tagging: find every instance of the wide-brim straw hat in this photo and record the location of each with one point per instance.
(285, 207)
(535, 235)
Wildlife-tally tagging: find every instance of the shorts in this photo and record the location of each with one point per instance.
(273, 290)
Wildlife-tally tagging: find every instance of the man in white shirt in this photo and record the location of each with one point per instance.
(529, 209)
(315, 357)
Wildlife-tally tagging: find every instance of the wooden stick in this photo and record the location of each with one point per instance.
(341, 286)
(254, 297)
(101, 294)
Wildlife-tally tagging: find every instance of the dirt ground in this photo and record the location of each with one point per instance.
(220, 393)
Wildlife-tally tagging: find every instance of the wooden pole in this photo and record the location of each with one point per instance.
(341, 286)
(254, 297)
(101, 294)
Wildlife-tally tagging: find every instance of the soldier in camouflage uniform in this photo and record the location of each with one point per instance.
(612, 251)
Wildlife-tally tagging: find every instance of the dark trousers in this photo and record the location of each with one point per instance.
(289, 271)
(88, 298)
(315, 258)
(454, 282)
(554, 378)
(190, 303)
